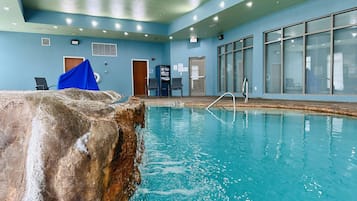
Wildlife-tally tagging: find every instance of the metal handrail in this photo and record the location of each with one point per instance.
(219, 98)
(245, 89)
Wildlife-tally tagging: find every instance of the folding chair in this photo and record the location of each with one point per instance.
(176, 84)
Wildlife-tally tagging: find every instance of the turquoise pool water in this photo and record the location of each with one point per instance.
(191, 154)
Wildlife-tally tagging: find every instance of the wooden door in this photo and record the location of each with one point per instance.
(139, 77)
(71, 62)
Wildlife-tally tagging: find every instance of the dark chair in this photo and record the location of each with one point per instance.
(41, 83)
(152, 84)
(176, 84)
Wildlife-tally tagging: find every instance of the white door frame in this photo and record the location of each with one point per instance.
(132, 72)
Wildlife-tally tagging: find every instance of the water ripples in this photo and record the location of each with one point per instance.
(189, 155)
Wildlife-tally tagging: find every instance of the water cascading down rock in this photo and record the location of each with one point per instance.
(69, 145)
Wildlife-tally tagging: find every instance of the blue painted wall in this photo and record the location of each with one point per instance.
(181, 51)
(22, 58)
(208, 48)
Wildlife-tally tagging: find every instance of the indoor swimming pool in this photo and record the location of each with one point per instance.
(254, 155)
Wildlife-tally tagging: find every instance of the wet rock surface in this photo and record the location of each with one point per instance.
(68, 145)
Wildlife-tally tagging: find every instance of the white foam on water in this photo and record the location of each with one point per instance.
(185, 192)
(174, 170)
(166, 163)
(167, 170)
(34, 163)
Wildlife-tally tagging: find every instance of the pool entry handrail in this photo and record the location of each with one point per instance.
(245, 86)
(219, 98)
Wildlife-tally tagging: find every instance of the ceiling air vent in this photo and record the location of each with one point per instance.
(104, 49)
(45, 41)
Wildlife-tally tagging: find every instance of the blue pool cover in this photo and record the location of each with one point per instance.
(80, 77)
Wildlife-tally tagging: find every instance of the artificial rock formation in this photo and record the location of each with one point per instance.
(69, 145)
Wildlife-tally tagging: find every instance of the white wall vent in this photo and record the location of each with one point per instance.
(45, 42)
(104, 49)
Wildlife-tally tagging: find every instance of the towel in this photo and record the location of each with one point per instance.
(81, 77)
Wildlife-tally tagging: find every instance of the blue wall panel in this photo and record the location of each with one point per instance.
(22, 58)
(181, 51)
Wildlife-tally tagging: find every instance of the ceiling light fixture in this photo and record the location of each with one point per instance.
(80, 29)
(104, 31)
(171, 37)
(195, 17)
(216, 18)
(94, 23)
(249, 4)
(6, 8)
(55, 27)
(117, 25)
(194, 3)
(354, 35)
(146, 35)
(69, 20)
(126, 33)
(193, 39)
(139, 27)
(14, 23)
(191, 29)
(222, 4)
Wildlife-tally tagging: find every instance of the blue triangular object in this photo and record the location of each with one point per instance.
(80, 77)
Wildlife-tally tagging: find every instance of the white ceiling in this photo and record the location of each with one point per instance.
(14, 16)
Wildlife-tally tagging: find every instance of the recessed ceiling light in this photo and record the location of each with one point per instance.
(14, 23)
(354, 35)
(146, 35)
(104, 31)
(215, 18)
(6, 8)
(139, 27)
(195, 17)
(249, 4)
(80, 29)
(171, 37)
(191, 29)
(222, 4)
(55, 27)
(94, 23)
(117, 25)
(126, 33)
(69, 20)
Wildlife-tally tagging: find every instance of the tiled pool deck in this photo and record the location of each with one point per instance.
(338, 108)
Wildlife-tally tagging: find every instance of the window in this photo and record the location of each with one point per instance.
(318, 74)
(345, 61)
(345, 19)
(293, 66)
(235, 62)
(293, 31)
(319, 25)
(298, 58)
(273, 68)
